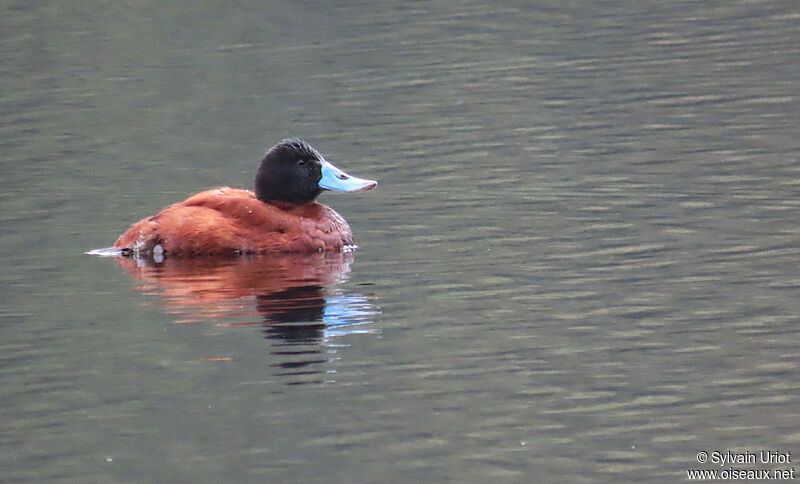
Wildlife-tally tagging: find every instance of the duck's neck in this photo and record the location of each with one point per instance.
(289, 206)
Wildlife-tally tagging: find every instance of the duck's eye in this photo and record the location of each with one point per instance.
(301, 162)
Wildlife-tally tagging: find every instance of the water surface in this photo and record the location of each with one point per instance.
(580, 265)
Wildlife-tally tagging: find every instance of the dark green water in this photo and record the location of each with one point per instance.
(582, 263)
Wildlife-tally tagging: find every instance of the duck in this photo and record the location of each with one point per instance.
(281, 215)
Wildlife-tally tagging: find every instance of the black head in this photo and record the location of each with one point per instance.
(289, 172)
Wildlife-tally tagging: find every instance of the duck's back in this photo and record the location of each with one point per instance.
(231, 221)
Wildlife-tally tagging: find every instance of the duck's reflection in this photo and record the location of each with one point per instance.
(294, 298)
